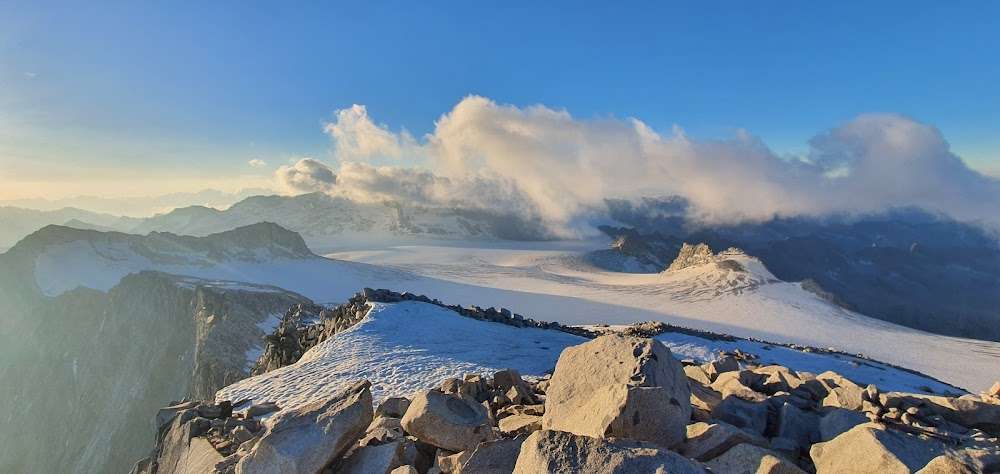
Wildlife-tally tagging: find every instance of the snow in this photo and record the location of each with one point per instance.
(535, 279)
(410, 346)
(402, 348)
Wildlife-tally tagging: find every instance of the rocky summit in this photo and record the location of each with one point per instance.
(618, 403)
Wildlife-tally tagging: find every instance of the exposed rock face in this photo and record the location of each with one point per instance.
(451, 422)
(621, 387)
(559, 452)
(692, 256)
(114, 358)
(307, 439)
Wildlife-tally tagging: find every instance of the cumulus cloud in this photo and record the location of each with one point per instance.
(357, 137)
(306, 175)
(544, 163)
(257, 163)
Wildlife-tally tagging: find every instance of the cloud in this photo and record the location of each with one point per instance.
(546, 164)
(357, 137)
(306, 175)
(257, 163)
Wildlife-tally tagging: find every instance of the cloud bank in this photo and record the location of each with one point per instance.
(544, 163)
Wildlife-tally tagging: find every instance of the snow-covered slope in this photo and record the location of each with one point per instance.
(535, 280)
(409, 346)
(401, 348)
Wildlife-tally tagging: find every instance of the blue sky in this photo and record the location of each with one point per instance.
(179, 94)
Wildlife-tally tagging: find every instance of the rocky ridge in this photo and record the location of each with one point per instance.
(613, 404)
(305, 326)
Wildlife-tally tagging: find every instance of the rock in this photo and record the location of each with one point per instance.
(537, 410)
(241, 434)
(797, 425)
(166, 415)
(261, 409)
(183, 450)
(994, 390)
(871, 447)
(842, 392)
(703, 400)
(622, 387)
(405, 470)
(716, 367)
(775, 378)
(708, 441)
(451, 422)
(549, 451)
(970, 460)
(737, 384)
(967, 412)
(507, 378)
(837, 421)
(306, 439)
(520, 395)
(381, 459)
(491, 457)
(520, 424)
(451, 385)
(698, 374)
(393, 407)
(751, 416)
(751, 459)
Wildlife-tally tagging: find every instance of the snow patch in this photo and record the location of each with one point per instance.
(403, 348)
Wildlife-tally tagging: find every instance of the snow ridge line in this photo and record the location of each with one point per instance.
(305, 326)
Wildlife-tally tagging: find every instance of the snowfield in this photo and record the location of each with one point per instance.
(545, 281)
(402, 348)
(410, 346)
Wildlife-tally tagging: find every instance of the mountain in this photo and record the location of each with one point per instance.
(327, 222)
(152, 318)
(935, 275)
(15, 223)
(139, 207)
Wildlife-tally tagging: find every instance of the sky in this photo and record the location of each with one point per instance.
(142, 98)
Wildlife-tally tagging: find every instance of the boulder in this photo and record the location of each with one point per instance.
(393, 407)
(842, 393)
(448, 421)
(837, 421)
(708, 441)
(751, 459)
(405, 470)
(751, 416)
(872, 447)
(737, 384)
(716, 367)
(549, 451)
(381, 459)
(971, 460)
(261, 409)
(183, 450)
(520, 424)
(306, 439)
(619, 386)
(698, 374)
(797, 425)
(491, 457)
(967, 412)
(775, 378)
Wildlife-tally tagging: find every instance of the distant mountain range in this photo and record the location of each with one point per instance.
(905, 266)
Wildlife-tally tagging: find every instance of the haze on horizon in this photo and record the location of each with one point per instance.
(796, 110)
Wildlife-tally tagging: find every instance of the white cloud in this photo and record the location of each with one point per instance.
(357, 137)
(545, 163)
(257, 163)
(306, 175)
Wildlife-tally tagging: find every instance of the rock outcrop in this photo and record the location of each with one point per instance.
(613, 404)
(622, 387)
